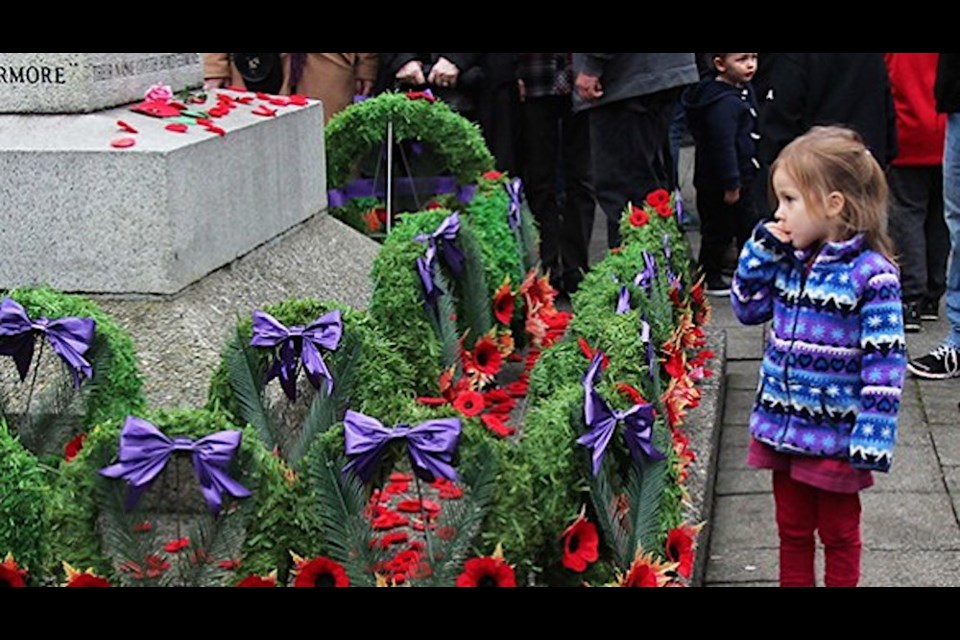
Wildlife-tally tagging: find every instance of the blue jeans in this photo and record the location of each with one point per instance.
(951, 212)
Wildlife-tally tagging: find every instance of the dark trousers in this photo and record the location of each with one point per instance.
(629, 140)
(720, 223)
(919, 231)
(558, 187)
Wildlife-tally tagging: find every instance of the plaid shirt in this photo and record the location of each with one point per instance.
(545, 74)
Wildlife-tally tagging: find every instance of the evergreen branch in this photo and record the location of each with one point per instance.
(212, 541)
(464, 518)
(530, 239)
(445, 324)
(327, 409)
(121, 543)
(245, 374)
(644, 491)
(474, 294)
(341, 502)
(615, 526)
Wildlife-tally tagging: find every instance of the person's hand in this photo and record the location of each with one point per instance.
(781, 234)
(522, 90)
(589, 87)
(444, 74)
(412, 74)
(214, 83)
(363, 87)
(731, 196)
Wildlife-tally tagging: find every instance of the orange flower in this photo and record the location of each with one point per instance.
(646, 572)
(372, 220)
(10, 574)
(538, 293)
(504, 303)
(88, 578)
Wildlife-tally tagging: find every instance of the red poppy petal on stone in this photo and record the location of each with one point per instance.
(495, 424)
(264, 111)
(176, 545)
(395, 537)
(279, 102)
(397, 476)
(142, 527)
(396, 488)
(228, 565)
(204, 122)
(299, 100)
(431, 507)
(244, 99)
(126, 127)
(418, 525)
(215, 129)
(451, 492)
(234, 87)
(176, 127)
(518, 389)
(263, 96)
(408, 506)
(217, 112)
(122, 143)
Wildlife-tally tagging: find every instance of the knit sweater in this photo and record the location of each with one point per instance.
(834, 364)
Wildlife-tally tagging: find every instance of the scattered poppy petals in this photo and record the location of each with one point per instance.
(396, 488)
(176, 545)
(126, 127)
(122, 143)
(204, 122)
(234, 87)
(244, 99)
(496, 424)
(177, 127)
(409, 506)
(299, 100)
(264, 111)
(218, 112)
(215, 129)
(279, 102)
(396, 537)
(228, 565)
(263, 96)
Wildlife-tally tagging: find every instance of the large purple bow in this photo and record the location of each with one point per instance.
(431, 445)
(296, 343)
(645, 278)
(69, 337)
(144, 451)
(443, 238)
(515, 191)
(602, 422)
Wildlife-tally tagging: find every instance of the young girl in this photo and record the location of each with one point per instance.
(829, 389)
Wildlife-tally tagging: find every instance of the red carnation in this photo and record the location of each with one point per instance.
(74, 447)
(658, 197)
(487, 572)
(320, 572)
(638, 217)
(580, 542)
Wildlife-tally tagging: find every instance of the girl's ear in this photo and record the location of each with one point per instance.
(835, 202)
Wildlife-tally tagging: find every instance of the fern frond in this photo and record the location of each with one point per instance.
(615, 527)
(475, 298)
(246, 375)
(341, 502)
(120, 542)
(212, 541)
(445, 324)
(529, 239)
(644, 492)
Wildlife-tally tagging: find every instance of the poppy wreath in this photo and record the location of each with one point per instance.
(360, 128)
(116, 386)
(23, 502)
(274, 516)
(380, 381)
(430, 342)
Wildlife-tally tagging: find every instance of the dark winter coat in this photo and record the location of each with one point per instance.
(948, 83)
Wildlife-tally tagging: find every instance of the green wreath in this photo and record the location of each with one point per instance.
(116, 386)
(270, 519)
(353, 132)
(23, 498)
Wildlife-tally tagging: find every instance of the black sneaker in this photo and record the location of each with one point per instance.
(717, 287)
(911, 317)
(930, 310)
(940, 364)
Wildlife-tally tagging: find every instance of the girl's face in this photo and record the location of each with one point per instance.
(797, 218)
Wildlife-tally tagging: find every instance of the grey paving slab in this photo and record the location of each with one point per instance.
(909, 521)
(940, 400)
(743, 565)
(743, 584)
(733, 458)
(737, 406)
(734, 435)
(746, 345)
(915, 468)
(742, 374)
(951, 477)
(946, 440)
(742, 481)
(743, 522)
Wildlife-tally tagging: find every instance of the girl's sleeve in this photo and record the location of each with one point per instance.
(753, 290)
(883, 366)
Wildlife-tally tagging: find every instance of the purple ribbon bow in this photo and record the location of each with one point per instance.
(602, 422)
(69, 337)
(623, 301)
(298, 343)
(443, 238)
(651, 354)
(645, 278)
(145, 450)
(431, 445)
(515, 191)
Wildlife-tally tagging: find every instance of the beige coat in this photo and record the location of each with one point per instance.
(328, 77)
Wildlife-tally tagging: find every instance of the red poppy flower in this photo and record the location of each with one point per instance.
(156, 565)
(258, 581)
(487, 572)
(409, 506)
(395, 537)
(679, 548)
(496, 424)
(638, 217)
(487, 357)
(469, 403)
(504, 304)
(418, 524)
(631, 392)
(580, 542)
(675, 365)
(126, 127)
(176, 127)
(156, 109)
(664, 211)
(398, 476)
(74, 447)
(388, 520)
(396, 488)
(492, 175)
(450, 491)
(176, 545)
(646, 572)
(433, 204)
(10, 574)
(122, 143)
(658, 197)
(86, 579)
(320, 572)
(262, 95)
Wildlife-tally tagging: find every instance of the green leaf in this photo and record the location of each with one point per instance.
(474, 293)
(644, 491)
(445, 323)
(616, 531)
(245, 376)
(120, 542)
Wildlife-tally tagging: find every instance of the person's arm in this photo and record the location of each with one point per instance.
(754, 284)
(784, 117)
(216, 70)
(366, 73)
(723, 120)
(883, 365)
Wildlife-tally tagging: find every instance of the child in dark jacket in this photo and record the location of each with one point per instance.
(722, 113)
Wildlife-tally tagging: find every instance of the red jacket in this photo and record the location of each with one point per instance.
(920, 129)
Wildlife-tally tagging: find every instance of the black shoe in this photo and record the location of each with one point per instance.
(930, 310)
(940, 364)
(717, 287)
(911, 317)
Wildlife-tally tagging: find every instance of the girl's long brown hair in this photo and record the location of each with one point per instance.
(828, 159)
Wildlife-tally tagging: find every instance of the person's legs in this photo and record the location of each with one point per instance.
(938, 243)
(715, 236)
(579, 203)
(541, 132)
(838, 522)
(909, 194)
(796, 505)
